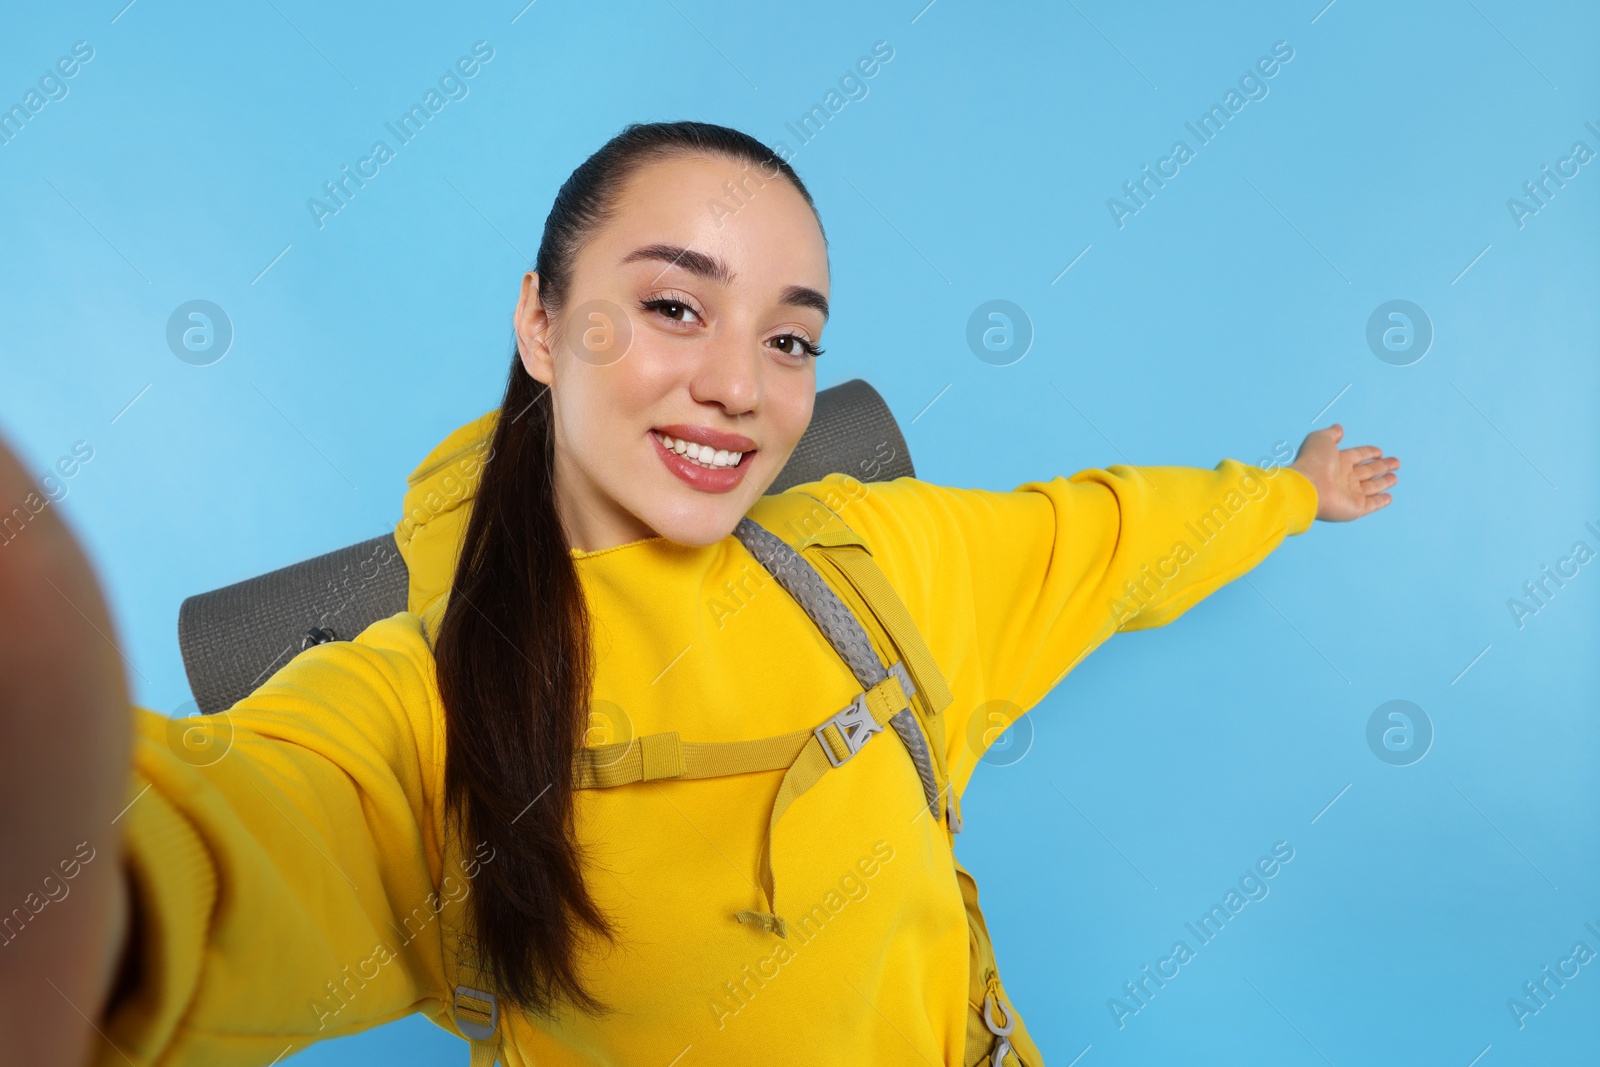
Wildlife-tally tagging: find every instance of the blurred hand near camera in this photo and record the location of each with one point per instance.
(65, 735)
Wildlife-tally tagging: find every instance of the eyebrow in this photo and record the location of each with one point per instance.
(716, 270)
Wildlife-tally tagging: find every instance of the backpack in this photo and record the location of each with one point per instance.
(832, 575)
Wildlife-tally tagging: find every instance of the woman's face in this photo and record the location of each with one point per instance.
(688, 314)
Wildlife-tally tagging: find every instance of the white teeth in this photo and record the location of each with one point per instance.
(704, 455)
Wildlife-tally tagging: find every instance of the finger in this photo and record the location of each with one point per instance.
(1362, 453)
(1372, 468)
(1375, 485)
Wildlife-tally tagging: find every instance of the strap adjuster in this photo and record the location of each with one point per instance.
(855, 725)
(470, 1018)
(854, 721)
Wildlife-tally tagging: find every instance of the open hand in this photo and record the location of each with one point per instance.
(1349, 481)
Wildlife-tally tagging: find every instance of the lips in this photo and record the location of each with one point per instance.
(705, 479)
(706, 435)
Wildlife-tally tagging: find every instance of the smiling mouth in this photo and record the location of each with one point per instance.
(702, 455)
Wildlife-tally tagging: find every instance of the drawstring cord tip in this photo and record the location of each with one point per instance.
(769, 922)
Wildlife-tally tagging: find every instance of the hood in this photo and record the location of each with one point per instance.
(433, 516)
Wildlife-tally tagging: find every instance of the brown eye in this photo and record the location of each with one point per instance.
(796, 345)
(669, 309)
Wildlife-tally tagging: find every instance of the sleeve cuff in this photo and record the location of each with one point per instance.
(1302, 501)
(173, 889)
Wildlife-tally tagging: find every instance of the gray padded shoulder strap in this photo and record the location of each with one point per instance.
(843, 631)
(832, 616)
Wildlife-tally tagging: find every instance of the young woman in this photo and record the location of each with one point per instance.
(487, 808)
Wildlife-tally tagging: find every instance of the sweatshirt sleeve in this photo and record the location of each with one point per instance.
(1012, 589)
(283, 861)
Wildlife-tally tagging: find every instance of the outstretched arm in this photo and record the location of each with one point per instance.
(1013, 589)
(280, 882)
(64, 749)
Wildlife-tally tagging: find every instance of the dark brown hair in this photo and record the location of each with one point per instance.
(513, 649)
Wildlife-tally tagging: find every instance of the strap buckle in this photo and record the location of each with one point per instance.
(855, 725)
(470, 1017)
(855, 722)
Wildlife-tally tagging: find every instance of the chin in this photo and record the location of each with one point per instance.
(704, 526)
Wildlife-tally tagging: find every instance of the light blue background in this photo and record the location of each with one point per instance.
(1227, 315)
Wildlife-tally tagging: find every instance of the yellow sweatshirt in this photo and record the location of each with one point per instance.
(299, 888)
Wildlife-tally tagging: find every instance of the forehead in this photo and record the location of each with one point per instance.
(760, 226)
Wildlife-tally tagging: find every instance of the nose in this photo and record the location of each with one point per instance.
(729, 372)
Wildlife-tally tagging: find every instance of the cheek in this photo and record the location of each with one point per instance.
(797, 417)
(608, 428)
(650, 370)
